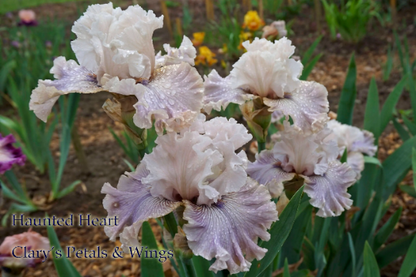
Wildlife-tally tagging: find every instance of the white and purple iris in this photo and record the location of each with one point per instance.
(225, 211)
(9, 155)
(115, 51)
(355, 141)
(268, 72)
(297, 155)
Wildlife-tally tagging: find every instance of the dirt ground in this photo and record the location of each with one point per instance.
(105, 157)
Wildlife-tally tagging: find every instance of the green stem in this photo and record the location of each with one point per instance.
(261, 146)
(170, 224)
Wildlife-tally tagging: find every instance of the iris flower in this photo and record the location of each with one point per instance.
(298, 158)
(9, 155)
(267, 72)
(225, 211)
(357, 142)
(115, 50)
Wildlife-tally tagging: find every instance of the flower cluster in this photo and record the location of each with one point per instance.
(221, 200)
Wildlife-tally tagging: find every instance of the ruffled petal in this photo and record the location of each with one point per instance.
(173, 99)
(356, 161)
(223, 129)
(328, 193)
(132, 203)
(308, 106)
(352, 138)
(267, 171)
(366, 144)
(219, 92)
(207, 169)
(70, 78)
(185, 53)
(229, 229)
(115, 42)
(9, 155)
(266, 69)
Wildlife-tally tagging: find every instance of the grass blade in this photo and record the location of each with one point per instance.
(409, 263)
(372, 110)
(370, 263)
(151, 266)
(348, 94)
(390, 104)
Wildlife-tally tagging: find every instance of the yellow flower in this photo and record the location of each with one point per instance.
(252, 21)
(206, 56)
(224, 49)
(198, 38)
(243, 37)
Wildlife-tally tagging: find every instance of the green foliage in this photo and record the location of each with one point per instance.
(151, 266)
(351, 19)
(348, 94)
(307, 60)
(63, 266)
(22, 67)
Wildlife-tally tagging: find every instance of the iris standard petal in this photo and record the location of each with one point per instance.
(229, 229)
(132, 203)
(185, 53)
(172, 99)
(308, 106)
(328, 192)
(70, 78)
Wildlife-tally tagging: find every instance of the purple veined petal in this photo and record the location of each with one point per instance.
(9, 155)
(229, 229)
(133, 204)
(185, 53)
(308, 106)
(70, 78)
(356, 161)
(329, 193)
(223, 129)
(219, 92)
(365, 145)
(173, 99)
(267, 171)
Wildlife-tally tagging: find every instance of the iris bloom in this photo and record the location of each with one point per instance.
(252, 21)
(355, 141)
(31, 240)
(116, 54)
(9, 155)
(27, 18)
(298, 158)
(268, 73)
(225, 211)
(276, 29)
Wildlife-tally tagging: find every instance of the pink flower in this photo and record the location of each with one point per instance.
(27, 17)
(14, 246)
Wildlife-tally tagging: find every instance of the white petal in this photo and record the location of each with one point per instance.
(185, 53)
(132, 203)
(267, 171)
(219, 92)
(267, 69)
(229, 229)
(356, 161)
(70, 78)
(173, 99)
(352, 138)
(328, 193)
(308, 106)
(221, 129)
(115, 42)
